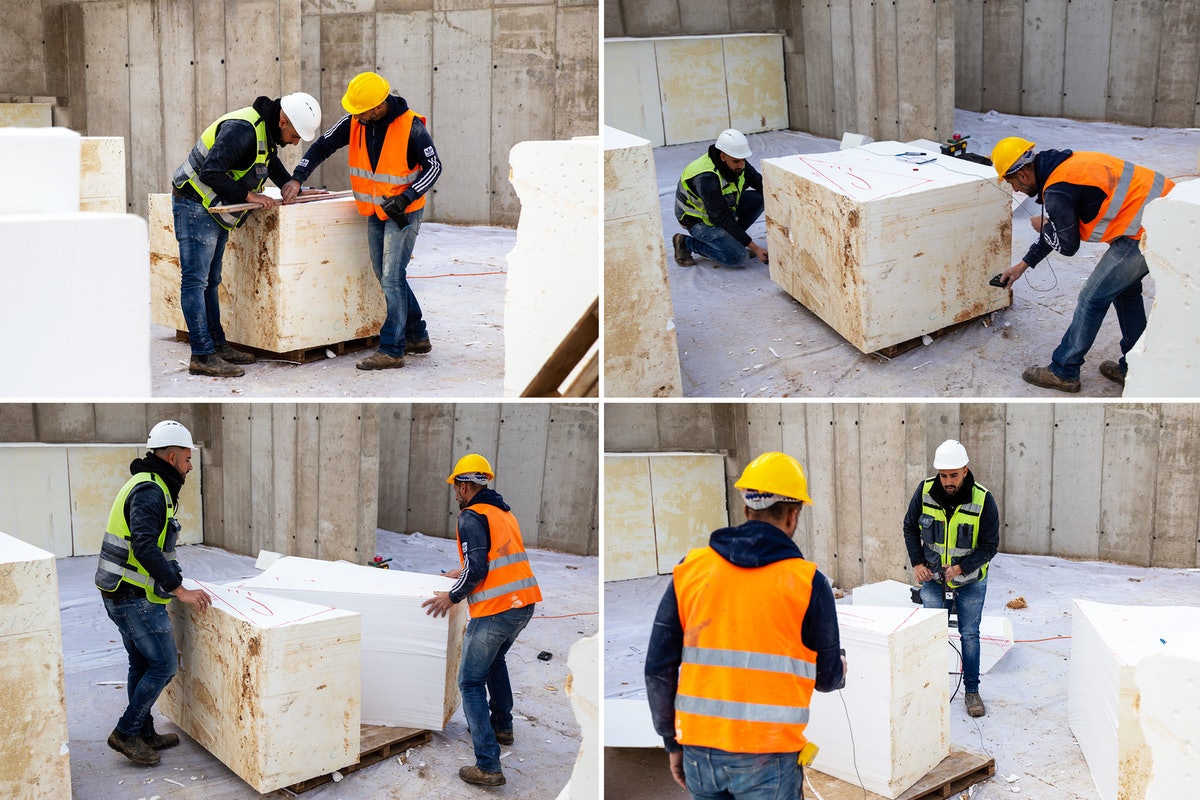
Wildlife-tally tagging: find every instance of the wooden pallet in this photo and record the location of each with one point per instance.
(960, 769)
(378, 742)
(304, 356)
(891, 351)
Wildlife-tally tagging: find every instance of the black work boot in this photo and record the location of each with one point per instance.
(474, 774)
(683, 254)
(214, 366)
(381, 360)
(503, 737)
(418, 347)
(227, 352)
(160, 741)
(133, 748)
(1112, 371)
(974, 704)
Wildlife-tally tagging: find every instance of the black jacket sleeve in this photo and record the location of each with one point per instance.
(421, 151)
(146, 511)
(322, 148)
(235, 147)
(912, 530)
(476, 540)
(819, 632)
(989, 538)
(707, 186)
(1064, 205)
(663, 658)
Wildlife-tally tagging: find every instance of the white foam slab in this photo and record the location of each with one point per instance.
(41, 170)
(1169, 714)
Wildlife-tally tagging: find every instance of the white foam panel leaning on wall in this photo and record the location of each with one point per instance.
(1169, 713)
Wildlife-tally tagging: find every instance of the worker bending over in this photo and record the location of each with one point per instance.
(718, 198)
(229, 165)
(745, 631)
(1086, 197)
(393, 163)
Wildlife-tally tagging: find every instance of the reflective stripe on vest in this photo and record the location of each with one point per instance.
(950, 547)
(688, 203)
(745, 678)
(1129, 188)
(117, 560)
(510, 582)
(189, 171)
(392, 173)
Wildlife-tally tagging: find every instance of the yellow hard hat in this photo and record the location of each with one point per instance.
(772, 478)
(366, 90)
(472, 464)
(1007, 155)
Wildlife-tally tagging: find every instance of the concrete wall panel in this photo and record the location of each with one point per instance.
(212, 100)
(432, 457)
(577, 52)
(1078, 446)
(1085, 73)
(1044, 56)
(820, 470)
(631, 428)
(21, 49)
(1029, 464)
(882, 455)
(462, 81)
(283, 444)
(968, 53)
(572, 461)
(145, 136)
(818, 68)
(395, 435)
(1176, 501)
(887, 78)
(347, 48)
(704, 16)
(847, 470)
(1003, 29)
(653, 18)
(1179, 65)
(686, 427)
(1131, 435)
(521, 457)
(916, 69)
(1130, 71)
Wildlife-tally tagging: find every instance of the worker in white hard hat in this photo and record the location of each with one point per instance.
(229, 165)
(1086, 197)
(138, 575)
(718, 198)
(393, 165)
(745, 632)
(952, 532)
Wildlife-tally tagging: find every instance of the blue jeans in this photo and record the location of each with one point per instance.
(713, 774)
(391, 247)
(717, 243)
(1116, 281)
(201, 247)
(970, 611)
(146, 631)
(482, 672)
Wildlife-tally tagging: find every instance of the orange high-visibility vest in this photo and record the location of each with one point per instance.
(1128, 186)
(509, 582)
(392, 174)
(746, 678)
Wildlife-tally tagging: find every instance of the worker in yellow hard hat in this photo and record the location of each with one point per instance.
(393, 165)
(496, 580)
(1086, 197)
(761, 635)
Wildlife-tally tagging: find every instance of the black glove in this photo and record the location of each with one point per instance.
(394, 207)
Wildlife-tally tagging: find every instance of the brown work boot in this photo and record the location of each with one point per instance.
(474, 774)
(503, 737)
(214, 366)
(1112, 371)
(974, 704)
(1042, 376)
(381, 361)
(161, 741)
(235, 356)
(133, 748)
(418, 348)
(683, 255)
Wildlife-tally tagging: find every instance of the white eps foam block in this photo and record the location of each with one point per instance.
(75, 303)
(1107, 644)
(896, 696)
(883, 248)
(34, 756)
(583, 686)
(102, 174)
(554, 270)
(268, 685)
(400, 642)
(1169, 713)
(1165, 361)
(41, 172)
(641, 352)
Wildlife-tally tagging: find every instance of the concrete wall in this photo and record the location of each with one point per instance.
(1112, 482)
(488, 74)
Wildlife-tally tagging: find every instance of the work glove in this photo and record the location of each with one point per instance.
(394, 207)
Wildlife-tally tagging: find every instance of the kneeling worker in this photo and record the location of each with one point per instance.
(718, 198)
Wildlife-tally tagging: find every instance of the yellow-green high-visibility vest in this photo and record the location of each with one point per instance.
(189, 170)
(688, 203)
(955, 537)
(117, 561)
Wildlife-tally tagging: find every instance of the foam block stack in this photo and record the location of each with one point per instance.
(398, 637)
(899, 717)
(34, 757)
(268, 685)
(886, 249)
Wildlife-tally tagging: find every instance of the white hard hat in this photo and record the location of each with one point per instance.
(169, 433)
(950, 455)
(305, 113)
(733, 142)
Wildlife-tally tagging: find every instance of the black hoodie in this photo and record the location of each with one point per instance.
(989, 524)
(146, 513)
(707, 186)
(1065, 206)
(235, 148)
(475, 538)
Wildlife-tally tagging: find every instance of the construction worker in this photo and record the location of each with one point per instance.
(718, 198)
(138, 575)
(1086, 197)
(229, 165)
(745, 631)
(393, 163)
(952, 531)
(495, 578)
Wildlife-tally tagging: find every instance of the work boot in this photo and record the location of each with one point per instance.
(418, 348)
(214, 366)
(683, 255)
(161, 741)
(381, 361)
(1112, 371)
(503, 737)
(235, 356)
(974, 704)
(474, 774)
(1042, 376)
(133, 748)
